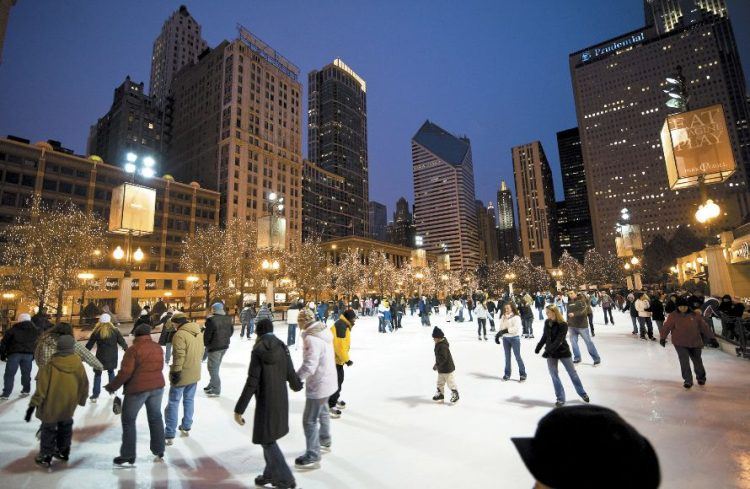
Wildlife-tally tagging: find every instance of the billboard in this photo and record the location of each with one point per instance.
(696, 147)
(272, 232)
(132, 210)
(629, 241)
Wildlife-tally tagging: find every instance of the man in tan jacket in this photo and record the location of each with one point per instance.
(184, 374)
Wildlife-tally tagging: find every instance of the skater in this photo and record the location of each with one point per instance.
(629, 305)
(481, 314)
(657, 310)
(424, 311)
(342, 330)
(184, 374)
(444, 367)
(40, 320)
(578, 327)
(17, 349)
(216, 338)
(607, 305)
(264, 312)
(556, 351)
(491, 309)
(617, 455)
(106, 338)
(46, 347)
(643, 309)
(143, 318)
(291, 320)
(527, 316)
(510, 330)
(688, 330)
(165, 336)
(318, 371)
(61, 386)
(271, 368)
(141, 374)
(539, 303)
(247, 320)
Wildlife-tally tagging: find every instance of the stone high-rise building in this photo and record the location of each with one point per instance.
(178, 45)
(337, 135)
(134, 123)
(237, 129)
(535, 196)
(402, 231)
(444, 206)
(578, 234)
(378, 220)
(507, 237)
(620, 105)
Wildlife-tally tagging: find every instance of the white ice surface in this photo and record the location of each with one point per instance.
(393, 436)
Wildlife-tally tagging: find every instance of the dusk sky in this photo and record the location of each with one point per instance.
(496, 71)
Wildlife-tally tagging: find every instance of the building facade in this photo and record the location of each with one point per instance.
(378, 220)
(487, 234)
(178, 45)
(337, 134)
(237, 129)
(134, 123)
(564, 238)
(535, 196)
(668, 15)
(5, 6)
(578, 235)
(402, 231)
(324, 203)
(620, 106)
(444, 206)
(507, 236)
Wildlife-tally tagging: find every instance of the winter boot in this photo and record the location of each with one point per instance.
(454, 396)
(169, 441)
(438, 397)
(43, 460)
(93, 399)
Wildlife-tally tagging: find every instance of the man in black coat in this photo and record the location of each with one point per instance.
(41, 320)
(270, 369)
(17, 348)
(216, 336)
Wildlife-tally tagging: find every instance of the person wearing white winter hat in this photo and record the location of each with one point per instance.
(17, 347)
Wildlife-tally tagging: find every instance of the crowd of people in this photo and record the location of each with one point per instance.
(325, 330)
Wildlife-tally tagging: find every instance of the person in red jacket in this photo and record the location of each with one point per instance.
(688, 330)
(141, 374)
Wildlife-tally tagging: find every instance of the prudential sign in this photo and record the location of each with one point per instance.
(611, 47)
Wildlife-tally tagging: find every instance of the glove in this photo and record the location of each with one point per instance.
(537, 349)
(663, 343)
(108, 389)
(239, 419)
(174, 377)
(497, 338)
(434, 367)
(29, 412)
(349, 363)
(545, 355)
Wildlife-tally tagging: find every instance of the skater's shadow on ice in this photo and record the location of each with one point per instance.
(27, 464)
(480, 375)
(530, 403)
(209, 474)
(413, 401)
(88, 432)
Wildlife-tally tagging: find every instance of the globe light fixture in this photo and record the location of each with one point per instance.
(635, 260)
(700, 260)
(272, 196)
(707, 211)
(130, 167)
(147, 172)
(131, 157)
(138, 255)
(149, 161)
(119, 253)
(627, 266)
(192, 278)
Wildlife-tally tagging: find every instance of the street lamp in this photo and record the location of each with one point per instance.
(84, 277)
(146, 168)
(707, 211)
(634, 261)
(510, 277)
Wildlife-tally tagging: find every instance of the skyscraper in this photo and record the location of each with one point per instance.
(378, 220)
(325, 208)
(562, 220)
(507, 237)
(535, 196)
(620, 105)
(237, 129)
(401, 231)
(337, 134)
(178, 45)
(668, 15)
(487, 234)
(5, 6)
(134, 123)
(444, 208)
(578, 232)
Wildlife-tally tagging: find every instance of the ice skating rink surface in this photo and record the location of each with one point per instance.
(392, 435)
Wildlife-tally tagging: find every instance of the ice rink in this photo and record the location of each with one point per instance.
(393, 436)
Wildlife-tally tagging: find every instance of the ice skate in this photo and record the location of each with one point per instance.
(63, 454)
(23, 394)
(438, 397)
(325, 447)
(44, 460)
(341, 405)
(169, 442)
(183, 431)
(306, 462)
(93, 399)
(122, 461)
(454, 397)
(262, 480)
(334, 413)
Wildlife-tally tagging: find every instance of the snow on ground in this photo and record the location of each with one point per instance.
(392, 435)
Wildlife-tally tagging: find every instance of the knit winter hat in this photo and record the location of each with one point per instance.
(305, 318)
(350, 315)
(24, 317)
(437, 333)
(65, 345)
(142, 330)
(682, 301)
(263, 326)
(179, 317)
(105, 318)
(217, 308)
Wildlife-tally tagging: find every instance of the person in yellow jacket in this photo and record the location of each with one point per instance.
(341, 330)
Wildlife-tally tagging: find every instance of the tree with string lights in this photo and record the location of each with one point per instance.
(349, 273)
(305, 265)
(203, 254)
(573, 273)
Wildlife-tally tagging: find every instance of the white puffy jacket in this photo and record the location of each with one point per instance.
(512, 324)
(641, 306)
(318, 369)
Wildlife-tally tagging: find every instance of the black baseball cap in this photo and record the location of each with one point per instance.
(613, 453)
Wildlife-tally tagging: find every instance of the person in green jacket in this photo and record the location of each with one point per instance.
(184, 374)
(61, 386)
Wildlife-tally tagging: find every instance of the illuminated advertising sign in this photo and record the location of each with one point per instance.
(611, 47)
(696, 147)
(272, 232)
(132, 210)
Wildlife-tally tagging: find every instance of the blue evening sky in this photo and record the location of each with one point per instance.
(496, 71)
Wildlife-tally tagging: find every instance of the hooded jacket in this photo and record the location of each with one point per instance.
(187, 353)
(342, 339)
(106, 348)
(443, 357)
(61, 386)
(264, 313)
(141, 368)
(270, 369)
(21, 338)
(318, 369)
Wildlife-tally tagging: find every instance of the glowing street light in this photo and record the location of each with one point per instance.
(707, 211)
(138, 255)
(85, 276)
(634, 261)
(119, 253)
(192, 278)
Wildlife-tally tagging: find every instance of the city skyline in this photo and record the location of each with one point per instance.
(48, 79)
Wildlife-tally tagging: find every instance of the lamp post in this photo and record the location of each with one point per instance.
(270, 267)
(191, 280)
(7, 310)
(557, 276)
(510, 277)
(419, 276)
(84, 277)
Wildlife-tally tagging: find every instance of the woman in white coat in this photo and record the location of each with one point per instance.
(643, 306)
(318, 371)
(510, 329)
(480, 311)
